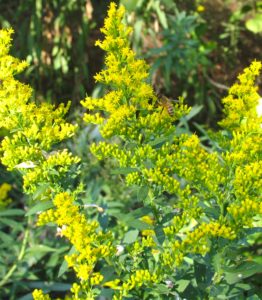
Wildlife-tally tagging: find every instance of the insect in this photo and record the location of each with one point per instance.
(167, 104)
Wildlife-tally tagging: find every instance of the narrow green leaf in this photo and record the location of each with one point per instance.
(64, 266)
(40, 248)
(12, 212)
(160, 140)
(160, 235)
(40, 207)
(48, 286)
(193, 112)
(7, 239)
(11, 223)
(161, 16)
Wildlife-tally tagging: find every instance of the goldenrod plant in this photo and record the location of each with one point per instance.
(198, 204)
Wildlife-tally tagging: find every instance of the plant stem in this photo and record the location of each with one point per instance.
(19, 258)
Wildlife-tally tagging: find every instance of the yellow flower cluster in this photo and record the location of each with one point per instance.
(240, 105)
(51, 170)
(156, 167)
(243, 155)
(248, 180)
(90, 244)
(244, 212)
(4, 200)
(7, 60)
(33, 129)
(155, 156)
(243, 122)
(124, 110)
(39, 295)
(172, 256)
(196, 241)
(139, 278)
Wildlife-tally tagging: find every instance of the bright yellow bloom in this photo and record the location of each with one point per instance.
(39, 295)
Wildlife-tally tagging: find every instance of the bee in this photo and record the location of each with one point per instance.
(167, 104)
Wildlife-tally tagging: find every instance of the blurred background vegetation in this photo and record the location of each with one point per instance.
(195, 49)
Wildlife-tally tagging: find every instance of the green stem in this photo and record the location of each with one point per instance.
(19, 258)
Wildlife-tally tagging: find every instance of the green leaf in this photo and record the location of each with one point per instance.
(142, 193)
(7, 239)
(130, 5)
(182, 285)
(132, 219)
(40, 207)
(12, 212)
(49, 286)
(161, 15)
(247, 269)
(107, 293)
(162, 289)
(40, 191)
(131, 236)
(253, 230)
(26, 297)
(160, 235)
(12, 223)
(137, 224)
(217, 260)
(64, 266)
(200, 274)
(40, 248)
(161, 140)
(103, 220)
(108, 273)
(137, 31)
(193, 112)
(140, 212)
